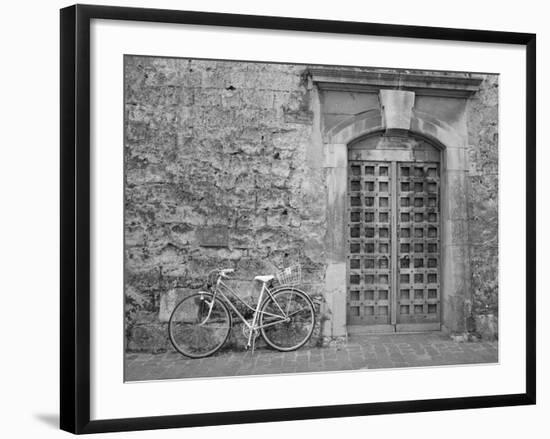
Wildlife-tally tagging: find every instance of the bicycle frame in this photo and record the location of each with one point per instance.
(221, 288)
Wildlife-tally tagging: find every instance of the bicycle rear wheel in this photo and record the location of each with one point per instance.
(198, 327)
(287, 319)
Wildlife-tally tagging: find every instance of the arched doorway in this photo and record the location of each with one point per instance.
(450, 140)
(393, 236)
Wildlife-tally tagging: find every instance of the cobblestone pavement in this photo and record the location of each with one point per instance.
(361, 352)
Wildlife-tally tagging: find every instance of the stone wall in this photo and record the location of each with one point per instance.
(483, 205)
(217, 175)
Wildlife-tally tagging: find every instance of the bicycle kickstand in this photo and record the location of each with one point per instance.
(253, 343)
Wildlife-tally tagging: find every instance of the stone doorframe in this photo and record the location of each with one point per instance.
(397, 112)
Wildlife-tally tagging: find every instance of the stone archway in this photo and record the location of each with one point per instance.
(397, 113)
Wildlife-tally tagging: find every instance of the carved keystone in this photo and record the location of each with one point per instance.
(396, 109)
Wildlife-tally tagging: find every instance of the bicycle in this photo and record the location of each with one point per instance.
(285, 316)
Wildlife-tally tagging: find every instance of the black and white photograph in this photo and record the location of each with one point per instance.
(275, 219)
(291, 218)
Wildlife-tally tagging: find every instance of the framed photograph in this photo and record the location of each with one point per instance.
(274, 218)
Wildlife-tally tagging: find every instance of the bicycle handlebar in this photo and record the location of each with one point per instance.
(219, 273)
(223, 272)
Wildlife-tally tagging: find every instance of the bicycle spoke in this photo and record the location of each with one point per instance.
(288, 305)
(199, 327)
(298, 323)
(297, 312)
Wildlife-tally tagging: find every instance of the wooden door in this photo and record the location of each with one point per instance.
(393, 237)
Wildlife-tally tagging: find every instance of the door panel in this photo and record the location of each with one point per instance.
(418, 237)
(369, 243)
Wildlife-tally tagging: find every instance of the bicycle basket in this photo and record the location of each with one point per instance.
(290, 276)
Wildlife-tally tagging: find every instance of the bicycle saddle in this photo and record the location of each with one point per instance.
(264, 279)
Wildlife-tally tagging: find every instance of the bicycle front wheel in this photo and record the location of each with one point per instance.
(199, 326)
(287, 319)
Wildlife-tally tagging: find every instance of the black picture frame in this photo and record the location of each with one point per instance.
(75, 217)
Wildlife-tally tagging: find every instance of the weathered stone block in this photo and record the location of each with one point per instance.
(169, 300)
(455, 276)
(454, 205)
(487, 326)
(214, 236)
(484, 263)
(396, 109)
(348, 103)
